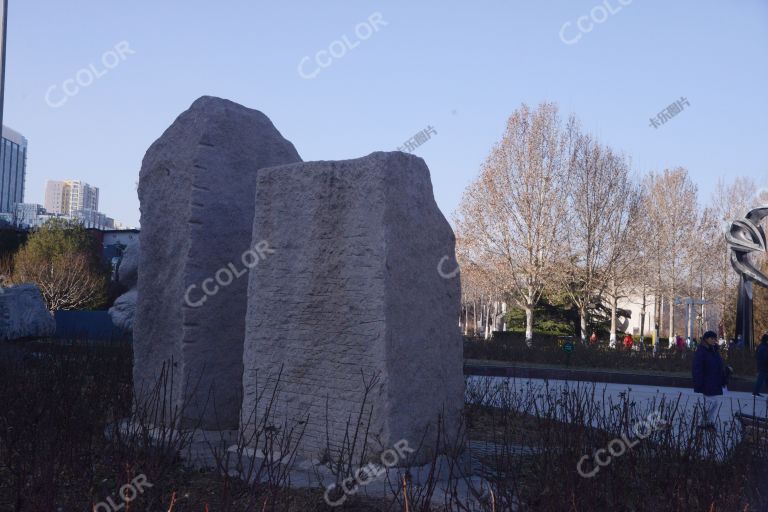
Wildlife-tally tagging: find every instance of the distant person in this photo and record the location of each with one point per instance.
(739, 342)
(680, 343)
(761, 359)
(628, 341)
(593, 339)
(709, 377)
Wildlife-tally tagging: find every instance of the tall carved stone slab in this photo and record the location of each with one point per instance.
(361, 285)
(196, 190)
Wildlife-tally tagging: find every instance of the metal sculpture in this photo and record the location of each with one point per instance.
(744, 237)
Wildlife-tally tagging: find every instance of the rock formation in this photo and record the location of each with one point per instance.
(123, 311)
(196, 190)
(23, 313)
(361, 287)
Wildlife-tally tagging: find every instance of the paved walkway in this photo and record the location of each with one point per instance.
(646, 398)
(540, 371)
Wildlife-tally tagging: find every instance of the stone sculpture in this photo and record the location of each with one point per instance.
(123, 311)
(362, 286)
(196, 190)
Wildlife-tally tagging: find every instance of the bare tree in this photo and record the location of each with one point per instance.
(627, 237)
(601, 208)
(65, 282)
(514, 211)
(62, 259)
(672, 207)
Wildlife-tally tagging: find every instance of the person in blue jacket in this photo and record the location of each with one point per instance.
(709, 377)
(761, 357)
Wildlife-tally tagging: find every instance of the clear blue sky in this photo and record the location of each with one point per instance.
(461, 67)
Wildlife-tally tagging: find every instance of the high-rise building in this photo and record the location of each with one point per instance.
(13, 169)
(82, 196)
(68, 197)
(56, 197)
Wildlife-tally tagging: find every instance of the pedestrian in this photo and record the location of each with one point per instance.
(628, 341)
(680, 342)
(761, 358)
(739, 342)
(709, 377)
(593, 339)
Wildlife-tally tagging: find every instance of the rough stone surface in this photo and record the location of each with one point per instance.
(123, 311)
(196, 190)
(128, 270)
(23, 313)
(353, 291)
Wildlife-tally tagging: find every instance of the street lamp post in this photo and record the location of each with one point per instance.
(3, 30)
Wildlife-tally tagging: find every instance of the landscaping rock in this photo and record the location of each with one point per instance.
(362, 286)
(196, 190)
(128, 270)
(123, 311)
(24, 314)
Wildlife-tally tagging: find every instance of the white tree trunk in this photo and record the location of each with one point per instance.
(504, 319)
(481, 325)
(672, 319)
(529, 325)
(614, 309)
(488, 322)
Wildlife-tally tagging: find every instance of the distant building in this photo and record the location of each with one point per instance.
(13, 168)
(29, 215)
(56, 197)
(68, 197)
(83, 197)
(93, 219)
(114, 242)
(122, 226)
(704, 319)
(76, 200)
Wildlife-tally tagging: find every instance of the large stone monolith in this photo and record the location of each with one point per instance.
(196, 190)
(363, 285)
